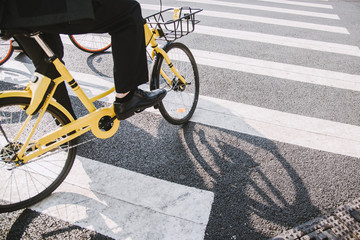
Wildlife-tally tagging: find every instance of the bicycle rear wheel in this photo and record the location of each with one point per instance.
(6, 50)
(179, 104)
(24, 185)
(91, 42)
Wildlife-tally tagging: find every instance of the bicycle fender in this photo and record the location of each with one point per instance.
(27, 94)
(40, 87)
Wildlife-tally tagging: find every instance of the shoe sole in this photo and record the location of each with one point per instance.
(126, 115)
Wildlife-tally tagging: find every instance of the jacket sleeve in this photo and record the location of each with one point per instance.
(35, 13)
(1, 10)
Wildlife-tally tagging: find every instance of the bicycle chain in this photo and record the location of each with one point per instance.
(55, 152)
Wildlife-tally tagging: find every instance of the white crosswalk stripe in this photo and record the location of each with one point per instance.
(265, 8)
(299, 3)
(167, 209)
(264, 20)
(280, 40)
(279, 70)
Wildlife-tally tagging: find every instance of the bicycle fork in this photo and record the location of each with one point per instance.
(150, 36)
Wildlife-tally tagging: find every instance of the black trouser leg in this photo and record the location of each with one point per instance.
(123, 20)
(38, 56)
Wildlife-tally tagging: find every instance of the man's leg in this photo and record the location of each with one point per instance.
(122, 19)
(38, 56)
(130, 61)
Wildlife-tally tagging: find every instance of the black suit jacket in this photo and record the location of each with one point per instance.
(35, 13)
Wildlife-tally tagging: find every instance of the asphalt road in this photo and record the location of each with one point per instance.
(275, 141)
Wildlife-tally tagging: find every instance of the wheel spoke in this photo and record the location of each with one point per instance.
(25, 184)
(179, 104)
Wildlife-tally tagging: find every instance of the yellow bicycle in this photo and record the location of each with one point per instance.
(38, 135)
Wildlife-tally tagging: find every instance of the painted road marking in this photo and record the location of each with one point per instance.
(249, 65)
(279, 70)
(127, 205)
(266, 8)
(280, 40)
(284, 127)
(273, 39)
(304, 4)
(273, 21)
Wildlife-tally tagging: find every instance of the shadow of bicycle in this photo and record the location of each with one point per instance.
(257, 191)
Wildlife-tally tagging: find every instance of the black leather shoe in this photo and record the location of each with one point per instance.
(138, 102)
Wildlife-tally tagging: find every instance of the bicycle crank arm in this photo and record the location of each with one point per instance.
(92, 121)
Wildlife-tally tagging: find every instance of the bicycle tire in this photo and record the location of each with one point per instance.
(179, 105)
(91, 43)
(27, 184)
(6, 50)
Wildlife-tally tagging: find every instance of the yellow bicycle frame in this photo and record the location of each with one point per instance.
(71, 130)
(36, 92)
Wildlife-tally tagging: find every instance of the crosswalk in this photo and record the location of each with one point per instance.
(137, 206)
(280, 40)
(266, 20)
(271, 9)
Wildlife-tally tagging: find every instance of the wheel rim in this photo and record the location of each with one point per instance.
(6, 50)
(92, 42)
(28, 183)
(180, 101)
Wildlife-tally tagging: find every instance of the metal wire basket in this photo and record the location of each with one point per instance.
(174, 23)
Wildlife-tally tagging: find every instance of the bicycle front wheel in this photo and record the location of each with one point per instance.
(24, 185)
(179, 104)
(91, 42)
(6, 50)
